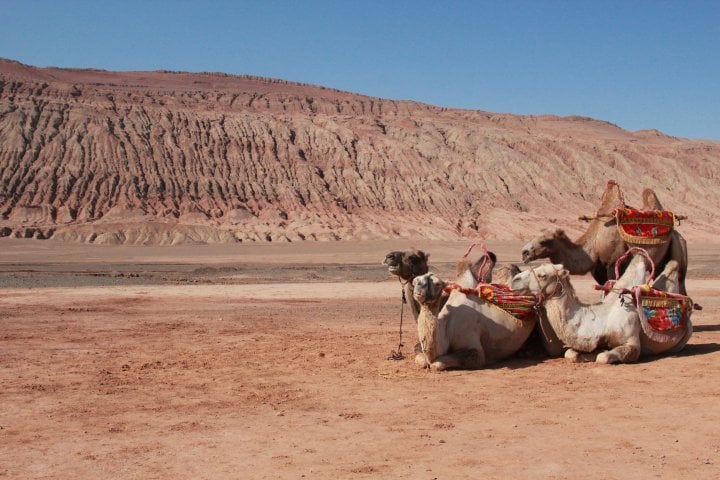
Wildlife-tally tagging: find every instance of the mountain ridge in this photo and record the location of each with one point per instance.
(165, 158)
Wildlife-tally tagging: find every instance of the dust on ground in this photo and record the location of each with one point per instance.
(272, 362)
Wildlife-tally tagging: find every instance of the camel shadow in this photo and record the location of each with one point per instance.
(692, 349)
(706, 328)
(515, 362)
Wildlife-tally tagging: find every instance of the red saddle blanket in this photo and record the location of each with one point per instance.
(664, 312)
(644, 227)
(519, 306)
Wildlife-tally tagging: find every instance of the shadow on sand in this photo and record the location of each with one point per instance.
(706, 328)
(698, 349)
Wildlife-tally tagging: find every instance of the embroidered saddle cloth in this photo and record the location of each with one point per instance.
(644, 227)
(663, 315)
(501, 296)
(519, 306)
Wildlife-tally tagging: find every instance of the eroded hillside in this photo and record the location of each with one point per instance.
(166, 158)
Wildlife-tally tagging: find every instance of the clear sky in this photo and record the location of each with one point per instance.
(638, 64)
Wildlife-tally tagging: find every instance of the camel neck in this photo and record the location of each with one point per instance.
(576, 257)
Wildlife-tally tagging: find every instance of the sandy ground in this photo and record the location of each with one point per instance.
(272, 362)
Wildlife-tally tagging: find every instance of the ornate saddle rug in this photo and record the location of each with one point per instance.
(519, 306)
(663, 311)
(644, 227)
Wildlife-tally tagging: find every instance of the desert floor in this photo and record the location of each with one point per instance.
(271, 361)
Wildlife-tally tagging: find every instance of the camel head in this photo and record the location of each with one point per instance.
(540, 279)
(428, 288)
(407, 264)
(545, 245)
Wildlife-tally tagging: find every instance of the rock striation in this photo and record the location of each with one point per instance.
(171, 157)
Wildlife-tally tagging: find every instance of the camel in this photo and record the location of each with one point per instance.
(613, 323)
(466, 331)
(408, 264)
(597, 250)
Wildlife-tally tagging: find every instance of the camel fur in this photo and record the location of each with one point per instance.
(613, 324)
(597, 250)
(466, 332)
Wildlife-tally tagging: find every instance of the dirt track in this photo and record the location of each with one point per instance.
(199, 368)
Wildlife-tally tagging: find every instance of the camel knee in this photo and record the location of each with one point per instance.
(621, 354)
(469, 359)
(572, 355)
(422, 361)
(579, 357)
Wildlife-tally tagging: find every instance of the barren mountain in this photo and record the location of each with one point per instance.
(170, 157)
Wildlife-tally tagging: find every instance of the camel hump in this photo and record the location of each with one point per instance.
(612, 198)
(650, 200)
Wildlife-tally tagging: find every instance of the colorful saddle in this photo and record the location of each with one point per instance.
(663, 315)
(644, 227)
(519, 306)
(663, 311)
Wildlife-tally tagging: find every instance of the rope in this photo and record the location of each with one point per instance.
(484, 265)
(397, 354)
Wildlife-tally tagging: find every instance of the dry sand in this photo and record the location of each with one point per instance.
(262, 362)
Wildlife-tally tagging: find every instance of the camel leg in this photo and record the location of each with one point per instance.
(625, 353)
(421, 360)
(580, 357)
(468, 359)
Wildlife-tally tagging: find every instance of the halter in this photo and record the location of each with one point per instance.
(558, 288)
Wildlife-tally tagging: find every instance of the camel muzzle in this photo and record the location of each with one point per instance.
(526, 256)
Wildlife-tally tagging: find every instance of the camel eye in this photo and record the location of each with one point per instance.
(545, 243)
(542, 275)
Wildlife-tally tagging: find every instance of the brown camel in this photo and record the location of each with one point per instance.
(597, 250)
(408, 264)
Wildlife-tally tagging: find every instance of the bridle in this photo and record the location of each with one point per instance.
(557, 291)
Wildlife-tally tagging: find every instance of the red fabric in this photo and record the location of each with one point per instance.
(663, 311)
(645, 223)
(519, 306)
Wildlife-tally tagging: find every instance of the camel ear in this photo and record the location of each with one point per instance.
(426, 256)
(559, 232)
(562, 271)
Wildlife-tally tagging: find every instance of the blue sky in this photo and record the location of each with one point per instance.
(638, 64)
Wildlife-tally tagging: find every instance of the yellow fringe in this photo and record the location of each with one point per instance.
(643, 240)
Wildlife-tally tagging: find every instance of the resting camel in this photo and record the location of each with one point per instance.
(613, 323)
(466, 332)
(597, 250)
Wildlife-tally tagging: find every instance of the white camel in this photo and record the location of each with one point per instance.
(613, 323)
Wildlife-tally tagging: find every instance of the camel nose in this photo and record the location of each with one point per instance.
(525, 255)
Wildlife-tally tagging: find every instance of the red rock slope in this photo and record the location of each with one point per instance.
(168, 157)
